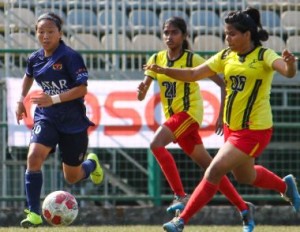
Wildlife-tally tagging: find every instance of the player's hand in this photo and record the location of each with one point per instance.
(141, 87)
(141, 91)
(42, 100)
(288, 57)
(154, 68)
(20, 111)
(219, 126)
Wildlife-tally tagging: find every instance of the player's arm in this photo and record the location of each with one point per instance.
(287, 65)
(220, 82)
(74, 93)
(143, 87)
(21, 110)
(26, 85)
(183, 74)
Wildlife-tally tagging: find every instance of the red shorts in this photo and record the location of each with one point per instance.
(185, 130)
(251, 142)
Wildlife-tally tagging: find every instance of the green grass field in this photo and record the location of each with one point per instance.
(259, 228)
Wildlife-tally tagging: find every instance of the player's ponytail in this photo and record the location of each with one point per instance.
(248, 20)
(261, 35)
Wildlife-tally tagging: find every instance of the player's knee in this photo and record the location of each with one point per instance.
(155, 144)
(152, 146)
(71, 179)
(215, 172)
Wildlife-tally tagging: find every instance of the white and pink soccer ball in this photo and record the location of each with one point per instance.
(60, 208)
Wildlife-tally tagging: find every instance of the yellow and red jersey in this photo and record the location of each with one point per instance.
(178, 96)
(248, 82)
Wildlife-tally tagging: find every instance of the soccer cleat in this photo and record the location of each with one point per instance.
(292, 195)
(32, 220)
(178, 203)
(248, 218)
(175, 225)
(97, 175)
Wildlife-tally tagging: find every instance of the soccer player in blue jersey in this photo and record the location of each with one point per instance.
(60, 115)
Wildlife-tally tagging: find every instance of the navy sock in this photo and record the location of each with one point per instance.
(88, 167)
(33, 186)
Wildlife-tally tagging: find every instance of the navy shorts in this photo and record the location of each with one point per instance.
(72, 147)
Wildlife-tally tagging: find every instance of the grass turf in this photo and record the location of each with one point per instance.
(143, 228)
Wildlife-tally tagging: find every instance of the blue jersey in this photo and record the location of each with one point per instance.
(56, 74)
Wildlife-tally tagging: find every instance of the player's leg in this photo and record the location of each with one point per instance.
(167, 133)
(193, 146)
(163, 136)
(203, 159)
(223, 162)
(258, 175)
(39, 148)
(177, 126)
(73, 148)
(246, 209)
(266, 179)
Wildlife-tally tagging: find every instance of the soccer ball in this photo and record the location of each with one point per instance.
(60, 208)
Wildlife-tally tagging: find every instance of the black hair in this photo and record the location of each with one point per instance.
(248, 20)
(181, 25)
(53, 17)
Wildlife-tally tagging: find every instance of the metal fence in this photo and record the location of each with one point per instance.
(111, 51)
(116, 37)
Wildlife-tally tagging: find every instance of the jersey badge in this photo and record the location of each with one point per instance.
(57, 66)
(252, 64)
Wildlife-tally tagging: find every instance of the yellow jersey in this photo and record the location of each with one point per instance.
(248, 82)
(178, 96)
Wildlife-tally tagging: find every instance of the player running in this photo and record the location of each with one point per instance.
(60, 115)
(248, 70)
(183, 107)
